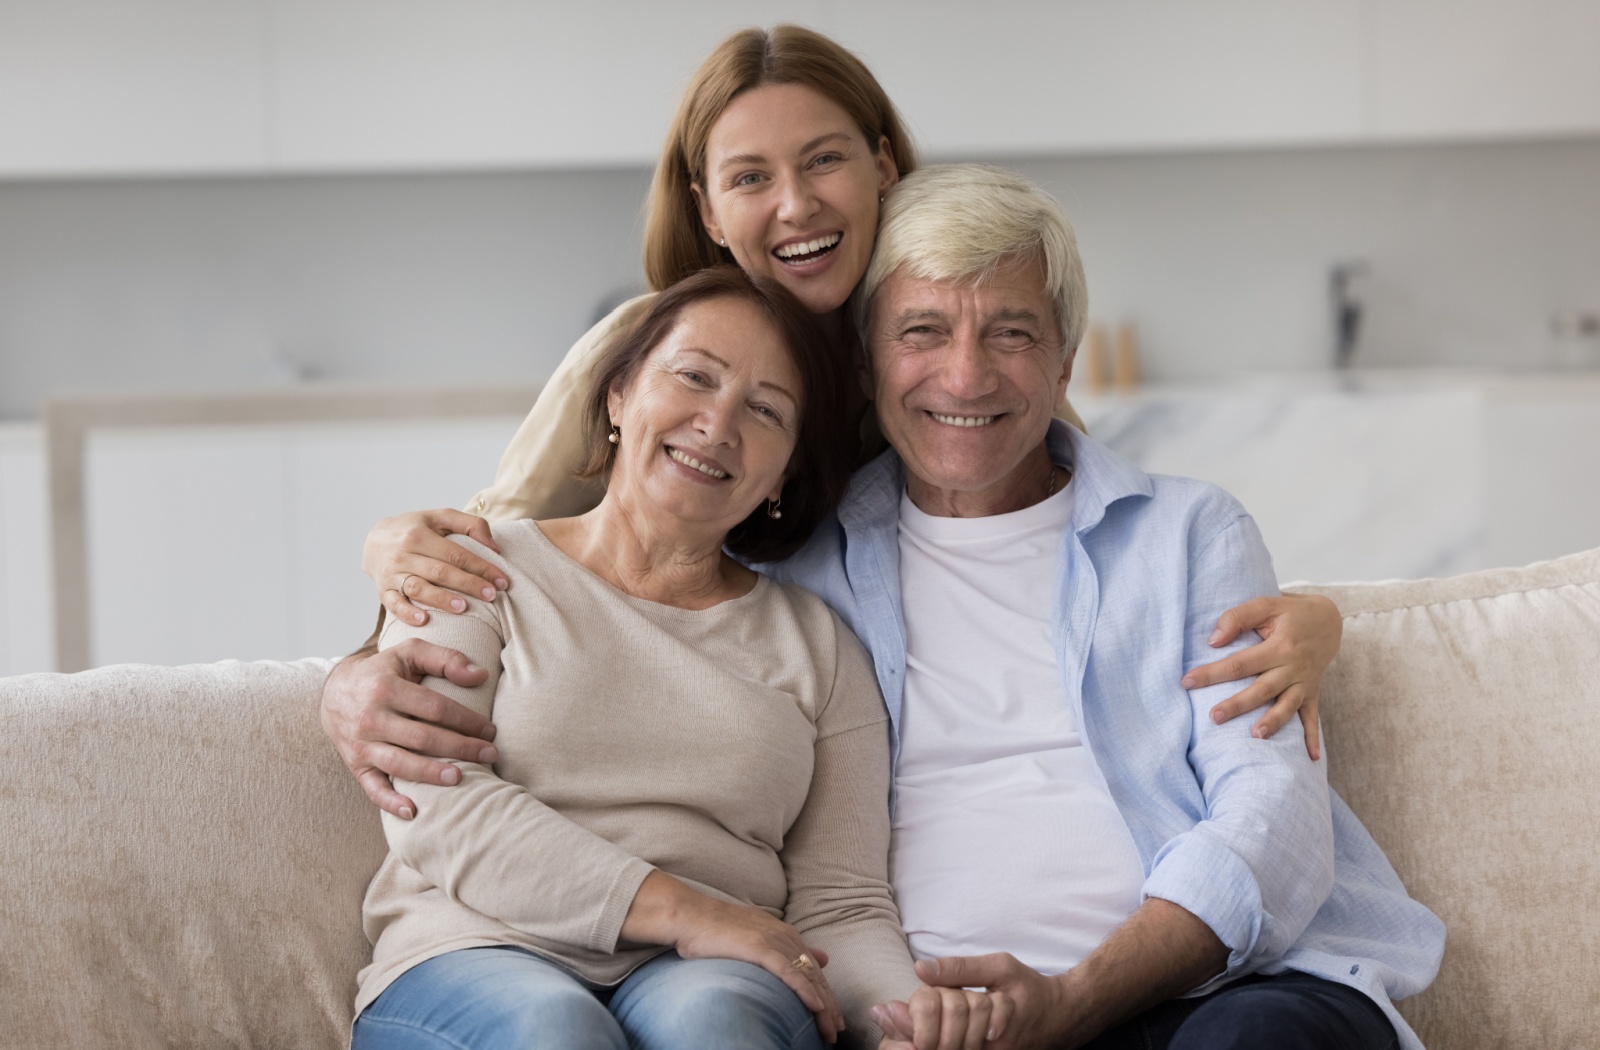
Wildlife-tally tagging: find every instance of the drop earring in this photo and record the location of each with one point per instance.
(615, 434)
(772, 508)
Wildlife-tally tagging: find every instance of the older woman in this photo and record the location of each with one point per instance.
(687, 818)
(777, 160)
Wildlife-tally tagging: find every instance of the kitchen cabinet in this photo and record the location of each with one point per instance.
(26, 635)
(1043, 77)
(209, 542)
(100, 87)
(1476, 69)
(372, 84)
(97, 87)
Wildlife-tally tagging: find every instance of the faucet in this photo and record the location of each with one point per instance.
(1346, 310)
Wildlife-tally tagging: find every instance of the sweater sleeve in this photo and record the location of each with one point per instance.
(836, 854)
(490, 844)
(536, 474)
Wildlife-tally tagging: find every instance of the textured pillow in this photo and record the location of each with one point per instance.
(1463, 726)
(184, 860)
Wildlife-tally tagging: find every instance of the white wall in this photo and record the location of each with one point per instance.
(234, 283)
(1222, 259)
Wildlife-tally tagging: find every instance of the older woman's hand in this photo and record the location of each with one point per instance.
(1300, 637)
(414, 565)
(667, 911)
(943, 1019)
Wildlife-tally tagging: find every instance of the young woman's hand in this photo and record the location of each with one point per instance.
(1299, 639)
(667, 911)
(414, 565)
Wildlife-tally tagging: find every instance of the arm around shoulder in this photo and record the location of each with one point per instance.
(536, 477)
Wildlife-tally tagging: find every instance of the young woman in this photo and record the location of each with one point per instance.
(777, 160)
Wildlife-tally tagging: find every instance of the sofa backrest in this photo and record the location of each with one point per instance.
(184, 860)
(1462, 721)
(184, 857)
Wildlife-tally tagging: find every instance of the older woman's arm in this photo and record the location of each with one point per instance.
(836, 853)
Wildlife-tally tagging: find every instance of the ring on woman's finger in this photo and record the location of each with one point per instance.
(804, 962)
(405, 581)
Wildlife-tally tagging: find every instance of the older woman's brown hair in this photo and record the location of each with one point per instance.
(675, 242)
(824, 451)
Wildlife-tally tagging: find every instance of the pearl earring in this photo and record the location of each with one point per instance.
(615, 434)
(772, 508)
(723, 242)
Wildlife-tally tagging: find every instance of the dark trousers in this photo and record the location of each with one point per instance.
(1292, 1010)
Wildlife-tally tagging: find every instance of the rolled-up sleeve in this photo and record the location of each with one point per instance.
(1260, 863)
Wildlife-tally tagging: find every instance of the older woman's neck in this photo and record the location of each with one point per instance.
(649, 559)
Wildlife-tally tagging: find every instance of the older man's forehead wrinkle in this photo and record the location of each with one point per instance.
(912, 315)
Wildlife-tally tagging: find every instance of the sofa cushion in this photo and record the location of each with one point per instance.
(184, 862)
(1461, 721)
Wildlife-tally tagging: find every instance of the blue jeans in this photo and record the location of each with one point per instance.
(508, 999)
(1289, 1010)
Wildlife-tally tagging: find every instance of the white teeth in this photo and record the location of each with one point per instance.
(789, 251)
(690, 461)
(964, 421)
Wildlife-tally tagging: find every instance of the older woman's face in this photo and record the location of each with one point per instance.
(709, 422)
(792, 186)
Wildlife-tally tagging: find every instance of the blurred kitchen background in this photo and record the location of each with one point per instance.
(272, 269)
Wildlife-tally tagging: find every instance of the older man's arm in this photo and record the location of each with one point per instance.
(1259, 864)
(1160, 952)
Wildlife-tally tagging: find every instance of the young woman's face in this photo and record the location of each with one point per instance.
(710, 421)
(792, 187)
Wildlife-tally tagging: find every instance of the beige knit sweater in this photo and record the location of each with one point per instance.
(742, 748)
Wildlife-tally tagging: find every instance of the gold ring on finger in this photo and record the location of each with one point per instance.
(804, 962)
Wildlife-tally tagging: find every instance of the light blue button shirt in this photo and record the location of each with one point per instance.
(1243, 833)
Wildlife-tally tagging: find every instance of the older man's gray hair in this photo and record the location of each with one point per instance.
(961, 222)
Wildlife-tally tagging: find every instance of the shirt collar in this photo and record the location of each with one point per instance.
(1102, 478)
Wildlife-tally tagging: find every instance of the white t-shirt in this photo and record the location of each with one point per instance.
(1005, 837)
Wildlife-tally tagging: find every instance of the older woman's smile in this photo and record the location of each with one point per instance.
(708, 467)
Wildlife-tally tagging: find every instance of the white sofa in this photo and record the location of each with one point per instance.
(184, 858)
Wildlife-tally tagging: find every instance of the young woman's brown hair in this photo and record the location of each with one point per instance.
(824, 451)
(675, 242)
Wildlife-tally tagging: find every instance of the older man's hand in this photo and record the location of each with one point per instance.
(384, 723)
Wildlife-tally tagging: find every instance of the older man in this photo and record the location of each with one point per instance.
(1073, 832)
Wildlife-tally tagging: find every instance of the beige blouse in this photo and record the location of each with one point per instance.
(536, 475)
(742, 748)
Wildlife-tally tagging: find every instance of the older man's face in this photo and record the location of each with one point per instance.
(965, 378)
